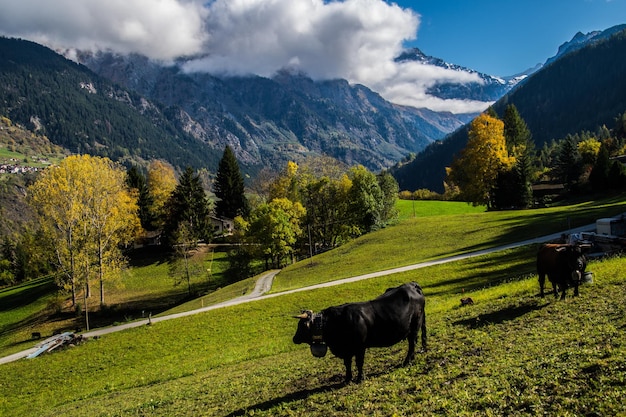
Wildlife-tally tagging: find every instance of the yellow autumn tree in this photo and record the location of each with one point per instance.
(286, 184)
(111, 213)
(275, 228)
(86, 211)
(55, 196)
(476, 170)
(161, 181)
(589, 150)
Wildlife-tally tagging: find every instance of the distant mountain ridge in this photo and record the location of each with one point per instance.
(286, 117)
(490, 90)
(581, 40)
(267, 121)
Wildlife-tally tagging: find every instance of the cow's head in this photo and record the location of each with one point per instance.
(310, 330)
(304, 333)
(576, 261)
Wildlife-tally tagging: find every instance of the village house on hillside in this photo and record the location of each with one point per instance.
(222, 226)
(16, 169)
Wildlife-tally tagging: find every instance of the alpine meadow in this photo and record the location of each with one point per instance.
(510, 353)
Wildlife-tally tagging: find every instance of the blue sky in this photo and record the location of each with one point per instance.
(355, 40)
(505, 37)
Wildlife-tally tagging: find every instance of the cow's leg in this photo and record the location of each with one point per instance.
(563, 289)
(542, 282)
(424, 348)
(360, 359)
(412, 339)
(555, 289)
(576, 277)
(347, 361)
(410, 355)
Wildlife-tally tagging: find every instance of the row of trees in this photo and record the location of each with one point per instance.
(500, 163)
(89, 209)
(167, 204)
(587, 161)
(314, 207)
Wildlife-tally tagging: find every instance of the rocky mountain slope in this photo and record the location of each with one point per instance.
(83, 112)
(130, 108)
(286, 117)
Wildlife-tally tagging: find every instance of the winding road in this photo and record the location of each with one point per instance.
(264, 283)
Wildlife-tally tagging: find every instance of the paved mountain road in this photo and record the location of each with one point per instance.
(264, 283)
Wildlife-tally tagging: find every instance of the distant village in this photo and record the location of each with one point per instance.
(13, 167)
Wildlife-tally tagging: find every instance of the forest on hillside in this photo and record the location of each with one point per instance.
(83, 112)
(581, 92)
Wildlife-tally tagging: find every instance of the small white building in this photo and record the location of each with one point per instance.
(222, 226)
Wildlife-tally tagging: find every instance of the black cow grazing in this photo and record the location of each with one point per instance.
(349, 329)
(564, 264)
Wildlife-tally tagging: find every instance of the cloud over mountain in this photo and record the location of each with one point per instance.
(159, 29)
(352, 39)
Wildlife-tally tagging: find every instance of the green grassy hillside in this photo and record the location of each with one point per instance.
(511, 353)
(419, 239)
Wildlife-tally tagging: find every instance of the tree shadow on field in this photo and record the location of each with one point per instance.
(500, 316)
(30, 293)
(294, 396)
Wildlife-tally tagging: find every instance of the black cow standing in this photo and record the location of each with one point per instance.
(349, 329)
(564, 264)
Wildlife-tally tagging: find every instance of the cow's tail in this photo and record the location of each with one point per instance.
(423, 330)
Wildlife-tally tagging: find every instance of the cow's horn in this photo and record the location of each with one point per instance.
(304, 315)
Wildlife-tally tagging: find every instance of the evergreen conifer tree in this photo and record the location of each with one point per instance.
(520, 145)
(137, 181)
(229, 188)
(599, 176)
(567, 164)
(188, 206)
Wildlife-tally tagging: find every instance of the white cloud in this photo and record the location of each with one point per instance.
(409, 82)
(327, 39)
(159, 29)
(352, 39)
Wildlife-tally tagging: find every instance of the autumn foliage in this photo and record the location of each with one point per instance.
(476, 169)
(86, 213)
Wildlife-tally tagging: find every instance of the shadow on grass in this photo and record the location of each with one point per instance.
(148, 255)
(31, 291)
(500, 316)
(546, 222)
(484, 272)
(69, 320)
(294, 396)
(377, 368)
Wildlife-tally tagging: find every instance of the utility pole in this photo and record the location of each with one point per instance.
(310, 244)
